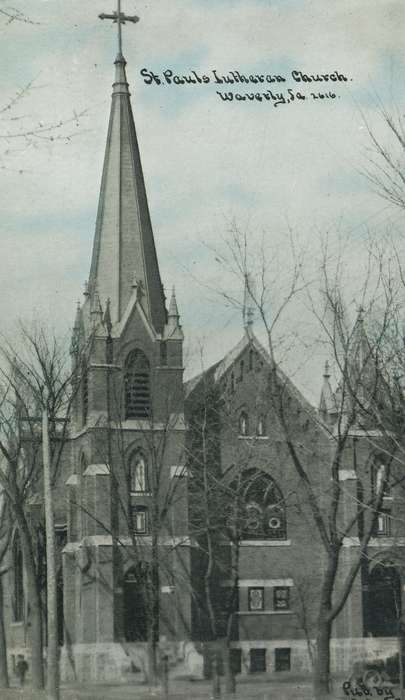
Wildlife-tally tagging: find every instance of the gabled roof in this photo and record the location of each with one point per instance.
(215, 373)
(124, 255)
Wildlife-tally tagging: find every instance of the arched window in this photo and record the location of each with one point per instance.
(241, 370)
(263, 507)
(383, 601)
(138, 474)
(243, 423)
(261, 426)
(18, 580)
(380, 481)
(232, 385)
(136, 587)
(251, 359)
(137, 385)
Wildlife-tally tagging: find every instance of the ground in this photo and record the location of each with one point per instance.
(263, 688)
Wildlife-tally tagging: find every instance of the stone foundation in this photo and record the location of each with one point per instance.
(120, 662)
(117, 662)
(344, 652)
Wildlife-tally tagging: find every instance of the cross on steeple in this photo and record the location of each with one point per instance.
(119, 18)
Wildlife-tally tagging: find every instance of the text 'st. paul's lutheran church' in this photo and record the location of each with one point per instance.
(147, 568)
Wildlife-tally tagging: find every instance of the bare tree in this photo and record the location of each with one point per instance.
(34, 377)
(19, 130)
(386, 157)
(368, 403)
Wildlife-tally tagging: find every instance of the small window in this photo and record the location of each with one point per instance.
(60, 536)
(261, 426)
(241, 370)
(140, 519)
(282, 659)
(383, 524)
(255, 599)
(232, 384)
(243, 423)
(281, 598)
(251, 359)
(257, 660)
(138, 475)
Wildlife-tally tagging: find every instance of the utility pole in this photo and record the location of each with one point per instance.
(52, 656)
(401, 659)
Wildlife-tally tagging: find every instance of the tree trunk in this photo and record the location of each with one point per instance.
(4, 683)
(52, 656)
(230, 685)
(34, 619)
(216, 680)
(322, 661)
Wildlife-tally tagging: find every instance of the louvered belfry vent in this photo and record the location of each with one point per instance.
(137, 385)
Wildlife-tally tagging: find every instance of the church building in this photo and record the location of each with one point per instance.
(149, 458)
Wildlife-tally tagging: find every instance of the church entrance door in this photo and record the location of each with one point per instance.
(384, 601)
(136, 604)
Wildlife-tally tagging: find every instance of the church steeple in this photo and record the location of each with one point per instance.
(327, 403)
(124, 246)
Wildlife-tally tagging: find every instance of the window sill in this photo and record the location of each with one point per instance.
(265, 543)
(264, 612)
(253, 437)
(19, 623)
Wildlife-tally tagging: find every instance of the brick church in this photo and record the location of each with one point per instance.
(150, 458)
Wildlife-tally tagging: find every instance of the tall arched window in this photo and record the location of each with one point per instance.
(251, 359)
(382, 490)
(18, 580)
(137, 385)
(261, 426)
(383, 601)
(138, 474)
(243, 423)
(263, 507)
(136, 589)
(381, 481)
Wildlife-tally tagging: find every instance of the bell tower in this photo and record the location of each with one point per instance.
(127, 549)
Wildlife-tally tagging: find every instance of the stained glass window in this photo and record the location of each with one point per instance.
(281, 598)
(256, 599)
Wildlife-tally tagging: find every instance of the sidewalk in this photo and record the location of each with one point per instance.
(249, 689)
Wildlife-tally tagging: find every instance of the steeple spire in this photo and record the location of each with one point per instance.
(173, 327)
(75, 342)
(124, 245)
(327, 403)
(173, 310)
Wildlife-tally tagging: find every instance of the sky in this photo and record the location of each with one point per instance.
(276, 173)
